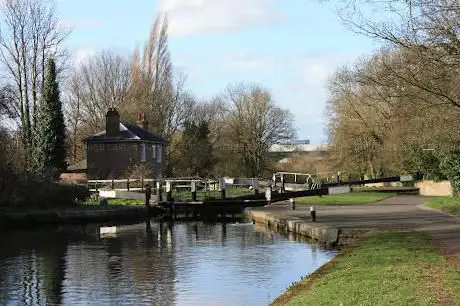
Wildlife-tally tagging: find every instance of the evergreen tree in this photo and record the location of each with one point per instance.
(196, 150)
(205, 162)
(49, 140)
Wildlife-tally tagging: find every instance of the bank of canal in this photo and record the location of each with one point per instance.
(395, 253)
(169, 264)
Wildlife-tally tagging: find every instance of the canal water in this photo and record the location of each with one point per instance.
(164, 264)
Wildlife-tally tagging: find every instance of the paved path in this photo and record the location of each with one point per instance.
(395, 212)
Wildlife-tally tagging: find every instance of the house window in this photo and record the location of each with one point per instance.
(154, 151)
(159, 153)
(143, 152)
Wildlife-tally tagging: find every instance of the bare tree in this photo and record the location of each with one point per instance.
(380, 125)
(7, 102)
(426, 35)
(29, 35)
(73, 115)
(155, 89)
(100, 82)
(255, 124)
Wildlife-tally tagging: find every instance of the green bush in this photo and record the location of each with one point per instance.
(33, 193)
(450, 166)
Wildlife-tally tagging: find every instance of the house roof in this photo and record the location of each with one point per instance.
(128, 132)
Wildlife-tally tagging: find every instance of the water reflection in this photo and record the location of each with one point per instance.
(163, 263)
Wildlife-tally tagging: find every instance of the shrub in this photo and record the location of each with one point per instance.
(450, 166)
(33, 193)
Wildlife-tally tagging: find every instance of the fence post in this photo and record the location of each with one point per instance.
(113, 185)
(222, 188)
(168, 191)
(313, 213)
(268, 194)
(193, 189)
(127, 184)
(256, 186)
(292, 200)
(142, 184)
(159, 191)
(282, 183)
(97, 192)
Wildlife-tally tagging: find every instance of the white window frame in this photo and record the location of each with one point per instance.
(143, 152)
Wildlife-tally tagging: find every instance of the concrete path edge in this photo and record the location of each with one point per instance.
(326, 235)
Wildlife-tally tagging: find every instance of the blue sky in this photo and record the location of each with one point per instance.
(288, 46)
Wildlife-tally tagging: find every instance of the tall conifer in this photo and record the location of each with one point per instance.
(49, 156)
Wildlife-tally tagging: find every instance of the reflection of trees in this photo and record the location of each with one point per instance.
(52, 264)
(35, 267)
(144, 263)
(148, 261)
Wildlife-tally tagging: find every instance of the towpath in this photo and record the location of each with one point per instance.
(397, 212)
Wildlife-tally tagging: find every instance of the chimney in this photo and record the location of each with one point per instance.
(142, 122)
(112, 122)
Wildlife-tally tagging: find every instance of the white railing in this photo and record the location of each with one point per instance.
(175, 183)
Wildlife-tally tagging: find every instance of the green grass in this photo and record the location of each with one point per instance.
(389, 268)
(117, 202)
(447, 204)
(354, 198)
(90, 204)
(202, 195)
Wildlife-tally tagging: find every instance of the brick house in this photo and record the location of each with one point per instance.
(112, 153)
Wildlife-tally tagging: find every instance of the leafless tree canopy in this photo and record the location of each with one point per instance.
(398, 109)
(255, 123)
(156, 89)
(425, 36)
(101, 82)
(28, 36)
(380, 125)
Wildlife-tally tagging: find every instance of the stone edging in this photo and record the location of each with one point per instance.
(326, 235)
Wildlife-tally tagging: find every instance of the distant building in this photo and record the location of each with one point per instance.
(112, 153)
(299, 146)
(294, 142)
(282, 152)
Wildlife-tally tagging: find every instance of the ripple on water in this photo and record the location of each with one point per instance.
(183, 264)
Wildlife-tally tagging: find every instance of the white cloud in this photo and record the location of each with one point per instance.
(189, 17)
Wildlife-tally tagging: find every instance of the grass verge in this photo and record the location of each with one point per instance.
(112, 202)
(88, 205)
(447, 204)
(353, 198)
(202, 195)
(388, 268)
